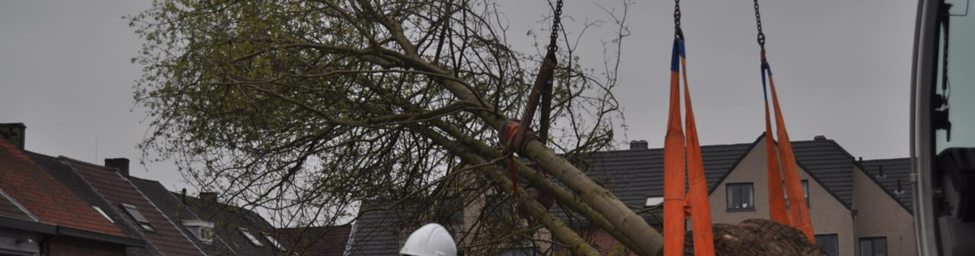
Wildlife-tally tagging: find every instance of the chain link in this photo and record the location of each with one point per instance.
(758, 23)
(677, 13)
(556, 21)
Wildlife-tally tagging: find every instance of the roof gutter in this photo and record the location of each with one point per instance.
(48, 229)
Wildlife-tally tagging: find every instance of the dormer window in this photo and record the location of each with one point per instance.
(202, 229)
(273, 241)
(654, 201)
(137, 216)
(250, 237)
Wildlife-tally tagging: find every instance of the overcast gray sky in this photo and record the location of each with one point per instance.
(842, 70)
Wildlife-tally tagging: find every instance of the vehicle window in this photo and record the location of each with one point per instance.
(960, 90)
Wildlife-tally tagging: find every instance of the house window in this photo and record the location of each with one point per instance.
(251, 237)
(805, 192)
(202, 229)
(524, 251)
(740, 197)
(654, 201)
(873, 246)
(829, 244)
(137, 216)
(273, 241)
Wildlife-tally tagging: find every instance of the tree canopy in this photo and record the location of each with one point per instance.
(306, 108)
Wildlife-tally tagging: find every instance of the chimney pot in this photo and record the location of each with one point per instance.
(639, 144)
(819, 137)
(209, 197)
(14, 132)
(120, 164)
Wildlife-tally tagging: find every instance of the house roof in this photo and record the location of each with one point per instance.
(176, 211)
(633, 175)
(10, 208)
(377, 230)
(829, 164)
(324, 241)
(22, 180)
(894, 170)
(118, 190)
(73, 181)
(229, 220)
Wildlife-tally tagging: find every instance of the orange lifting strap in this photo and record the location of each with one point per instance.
(677, 150)
(798, 212)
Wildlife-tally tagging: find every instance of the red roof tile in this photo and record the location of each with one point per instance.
(118, 190)
(44, 196)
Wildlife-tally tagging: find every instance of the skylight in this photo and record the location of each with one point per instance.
(202, 229)
(137, 216)
(273, 241)
(99, 210)
(251, 237)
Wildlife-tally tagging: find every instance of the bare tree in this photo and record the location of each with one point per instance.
(303, 109)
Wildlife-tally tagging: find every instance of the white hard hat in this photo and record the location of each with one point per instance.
(430, 240)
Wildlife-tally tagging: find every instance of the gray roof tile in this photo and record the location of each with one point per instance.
(829, 165)
(170, 206)
(893, 170)
(377, 231)
(324, 241)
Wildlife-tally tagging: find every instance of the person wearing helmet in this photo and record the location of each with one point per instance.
(430, 240)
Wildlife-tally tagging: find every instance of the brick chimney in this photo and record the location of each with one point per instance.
(208, 197)
(639, 144)
(120, 164)
(14, 132)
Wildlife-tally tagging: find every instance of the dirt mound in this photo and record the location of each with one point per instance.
(757, 237)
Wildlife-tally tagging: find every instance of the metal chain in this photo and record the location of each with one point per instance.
(556, 21)
(677, 13)
(678, 33)
(758, 22)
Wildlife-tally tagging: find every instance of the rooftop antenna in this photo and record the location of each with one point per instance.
(96, 150)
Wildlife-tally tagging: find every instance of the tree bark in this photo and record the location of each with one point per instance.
(546, 186)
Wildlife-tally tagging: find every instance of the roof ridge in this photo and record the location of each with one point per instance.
(225, 205)
(84, 162)
(652, 149)
(17, 152)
